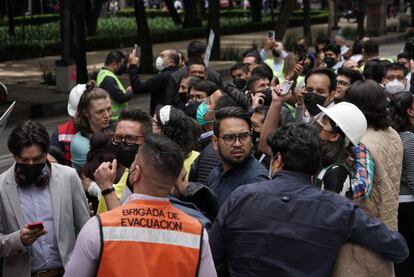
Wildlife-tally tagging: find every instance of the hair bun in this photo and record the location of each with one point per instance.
(90, 85)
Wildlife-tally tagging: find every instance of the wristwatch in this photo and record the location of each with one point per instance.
(107, 191)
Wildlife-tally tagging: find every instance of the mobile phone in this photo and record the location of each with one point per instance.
(286, 87)
(272, 35)
(137, 51)
(36, 225)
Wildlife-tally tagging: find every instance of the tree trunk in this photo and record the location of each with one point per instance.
(10, 14)
(331, 16)
(191, 14)
(173, 12)
(79, 41)
(143, 37)
(307, 32)
(94, 8)
(360, 18)
(412, 12)
(214, 24)
(256, 10)
(283, 21)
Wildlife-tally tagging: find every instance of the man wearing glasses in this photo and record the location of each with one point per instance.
(130, 133)
(233, 140)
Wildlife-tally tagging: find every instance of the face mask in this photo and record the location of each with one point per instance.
(201, 112)
(394, 86)
(159, 64)
(29, 173)
(330, 62)
(255, 137)
(121, 70)
(275, 53)
(191, 108)
(311, 100)
(125, 154)
(240, 83)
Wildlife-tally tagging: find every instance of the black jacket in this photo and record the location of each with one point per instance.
(288, 227)
(156, 85)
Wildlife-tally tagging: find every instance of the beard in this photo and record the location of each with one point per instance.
(233, 161)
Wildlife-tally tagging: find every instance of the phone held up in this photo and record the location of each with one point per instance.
(36, 226)
(272, 35)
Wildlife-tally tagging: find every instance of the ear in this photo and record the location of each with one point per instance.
(410, 112)
(135, 174)
(214, 139)
(383, 82)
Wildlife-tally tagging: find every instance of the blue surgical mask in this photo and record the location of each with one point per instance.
(201, 112)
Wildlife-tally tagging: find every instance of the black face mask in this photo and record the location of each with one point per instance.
(255, 137)
(330, 62)
(121, 70)
(28, 173)
(239, 83)
(275, 53)
(191, 108)
(311, 100)
(125, 153)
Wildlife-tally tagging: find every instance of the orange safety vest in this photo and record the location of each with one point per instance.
(149, 238)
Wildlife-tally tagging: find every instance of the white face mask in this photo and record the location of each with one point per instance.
(394, 86)
(159, 64)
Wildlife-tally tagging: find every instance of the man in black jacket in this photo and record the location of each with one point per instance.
(166, 63)
(287, 226)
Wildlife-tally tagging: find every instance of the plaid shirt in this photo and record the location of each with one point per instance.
(361, 183)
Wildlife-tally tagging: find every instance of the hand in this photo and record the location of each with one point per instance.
(133, 59)
(277, 97)
(86, 182)
(270, 43)
(28, 236)
(257, 100)
(105, 174)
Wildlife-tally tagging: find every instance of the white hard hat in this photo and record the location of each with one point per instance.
(74, 97)
(349, 119)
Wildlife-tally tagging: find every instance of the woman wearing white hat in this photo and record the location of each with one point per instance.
(341, 127)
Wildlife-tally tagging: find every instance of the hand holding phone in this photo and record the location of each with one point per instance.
(272, 35)
(38, 225)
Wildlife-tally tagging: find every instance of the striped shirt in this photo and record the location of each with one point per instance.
(407, 176)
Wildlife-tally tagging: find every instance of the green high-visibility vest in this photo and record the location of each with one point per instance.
(117, 108)
(279, 74)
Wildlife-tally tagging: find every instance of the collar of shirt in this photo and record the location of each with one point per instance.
(296, 174)
(138, 196)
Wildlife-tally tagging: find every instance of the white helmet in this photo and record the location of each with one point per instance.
(349, 119)
(74, 97)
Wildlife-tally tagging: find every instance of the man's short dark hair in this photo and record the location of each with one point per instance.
(114, 56)
(324, 71)
(174, 56)
(253, 79)
(232, 97)
(263, 70)
(196, 49)
(323, 39)
(163, 155)
(395, 66)
(192, 61)
(26, 134)
(332, 47)
(353, 75)
(370, 98)
(230, 112)
(206, 86)
(299, 145)
(375, 69)
(240, 66)
(404, 55)
(253, 53)
(140, 116)
(371, 47)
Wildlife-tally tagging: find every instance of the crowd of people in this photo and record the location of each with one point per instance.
(301, 165)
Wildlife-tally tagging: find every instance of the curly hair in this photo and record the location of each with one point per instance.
(179, 128)
(92, 92)
(398, 106)
(370, 98)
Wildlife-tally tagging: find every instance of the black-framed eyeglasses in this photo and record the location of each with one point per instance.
(128, 139)
(230, 139)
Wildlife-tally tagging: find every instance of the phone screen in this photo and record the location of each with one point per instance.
(137, 51)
